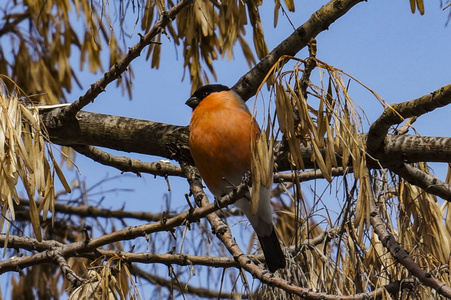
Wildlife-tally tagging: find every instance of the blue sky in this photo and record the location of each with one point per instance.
(398, 54)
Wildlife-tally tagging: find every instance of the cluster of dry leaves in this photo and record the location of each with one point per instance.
(26, 160)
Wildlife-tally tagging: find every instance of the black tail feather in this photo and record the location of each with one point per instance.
(275, 259)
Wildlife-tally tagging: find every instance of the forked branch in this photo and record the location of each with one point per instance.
(395, 114)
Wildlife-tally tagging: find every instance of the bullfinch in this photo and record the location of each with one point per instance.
(221, 130)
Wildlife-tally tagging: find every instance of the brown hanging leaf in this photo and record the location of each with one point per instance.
(262, 165)
(417, 4)
(60, 174)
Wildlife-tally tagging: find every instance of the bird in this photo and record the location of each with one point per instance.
(220, 136)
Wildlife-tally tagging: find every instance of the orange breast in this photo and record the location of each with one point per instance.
(220, 139)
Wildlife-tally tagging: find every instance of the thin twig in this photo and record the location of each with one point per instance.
(121, 66)
(126, 164)
(95, 212)
(310, 65)
(309, 174)
(56, 255)
(185, 288)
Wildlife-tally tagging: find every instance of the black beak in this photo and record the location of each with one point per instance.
(192, 102)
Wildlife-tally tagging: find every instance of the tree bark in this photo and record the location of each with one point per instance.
(171, 141)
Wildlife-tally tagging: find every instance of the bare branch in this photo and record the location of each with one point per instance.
(127, 233)
(310, 65)
(30, 244)
(95, 212)
(397, 113)
(428, 182)
(171, 141)
(126, 164)
(309, 174)
(119, 133)
(54, 252)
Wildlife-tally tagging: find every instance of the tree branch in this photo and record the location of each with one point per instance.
(53, 251)
(222, 231)
(395, 114)
(121, 66)
(185, 288)
(95, 212)
(119, 133)
(127, 233)
(247, 86)
(171, 141)
(126, 164)
(57, 256)
(308, 175)
(400, 254)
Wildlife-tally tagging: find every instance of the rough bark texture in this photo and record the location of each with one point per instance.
(119, 133)
(171, 141)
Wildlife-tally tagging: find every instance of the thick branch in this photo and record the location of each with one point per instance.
(395, 114)
(120, 133)
(171, 141)
(247, 86)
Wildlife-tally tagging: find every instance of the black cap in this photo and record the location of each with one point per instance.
(203, 92)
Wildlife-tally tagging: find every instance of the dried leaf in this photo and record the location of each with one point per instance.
(262, 164)
(60, 174)
(34, 218)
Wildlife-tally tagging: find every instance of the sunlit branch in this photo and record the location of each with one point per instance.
(320, 21)
(119, 133)
(171, 141)
(395, 114)
(126, 164)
